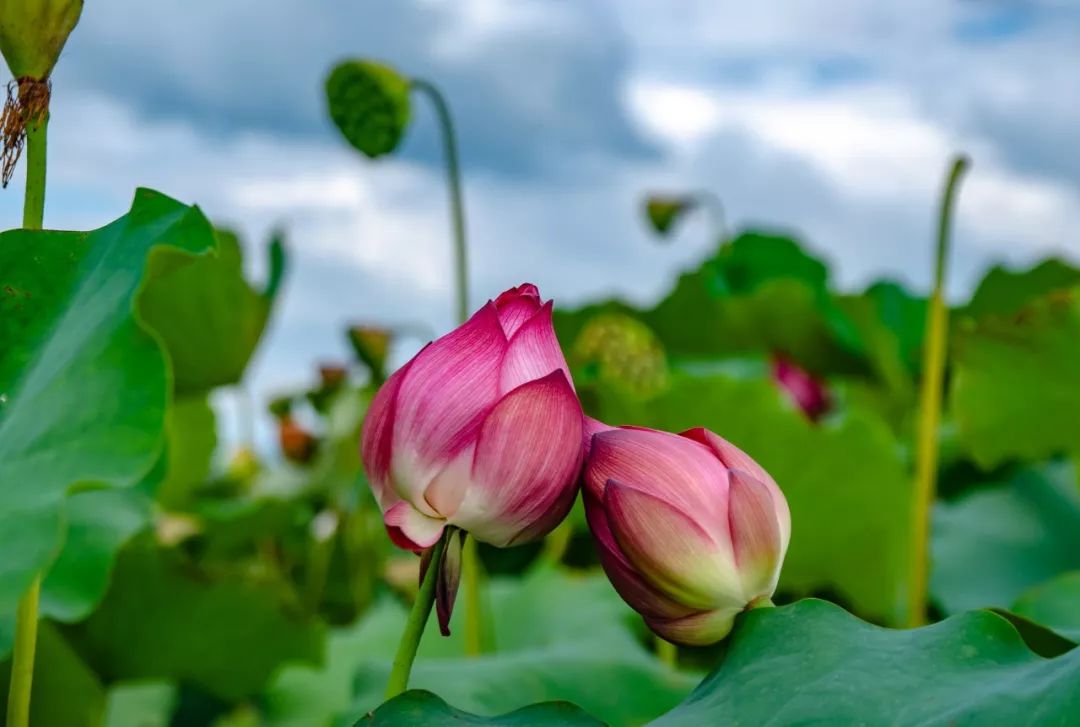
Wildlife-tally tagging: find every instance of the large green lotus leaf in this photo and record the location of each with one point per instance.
(1015, 390)
(1055, 604)
(83, 385)
(1004, 292)
(557, 636)
(208, 316)
(997, 542)
(423, 709)
(848, 487)
(162, 620)
(813, 663)
(65, 691)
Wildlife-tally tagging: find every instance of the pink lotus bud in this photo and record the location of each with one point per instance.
(690, 530)
(480, 430)
(804, 390)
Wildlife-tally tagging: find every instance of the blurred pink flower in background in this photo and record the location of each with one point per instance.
(802, 388)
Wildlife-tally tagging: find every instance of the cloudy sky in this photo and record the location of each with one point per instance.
(835, 118)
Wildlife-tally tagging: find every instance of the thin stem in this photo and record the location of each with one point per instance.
(26, 618)
(34, 199)
(711, 201)
(667, 653)
(22, 666)
(457, 206)
(930, 397)
(414, 626)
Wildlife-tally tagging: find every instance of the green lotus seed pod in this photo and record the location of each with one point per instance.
(663, 212)
(618, 350)
(33, 32)
(369, 102)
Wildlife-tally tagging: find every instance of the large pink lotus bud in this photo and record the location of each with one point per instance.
(801, 387)
(480, 430)
(690, 529)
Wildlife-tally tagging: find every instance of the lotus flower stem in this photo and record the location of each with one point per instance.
(933, 374)
(26, 619)
(667, 653)
(414, 626)
(457, 206)
(718, 216)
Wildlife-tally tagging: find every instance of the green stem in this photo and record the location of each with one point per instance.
(457, 206)
(22, 665)
(470, 573)
(715, 206)
(667, 653)
(34, 199)
(414, 627)
(26, 618)
(930, 397)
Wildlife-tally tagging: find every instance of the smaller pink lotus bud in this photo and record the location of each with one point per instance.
(690, 530)
(480, 431)
(802, 388)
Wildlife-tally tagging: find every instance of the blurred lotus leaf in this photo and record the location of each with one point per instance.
(1004, 292)
(369, 103)
(1016, 389)
(209, 317)
(1054, 604)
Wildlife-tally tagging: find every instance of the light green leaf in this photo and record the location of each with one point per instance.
(192, 438)
(1055, 605)
(140, 704)
(83, 385)
(1015, 389)
(208, 316)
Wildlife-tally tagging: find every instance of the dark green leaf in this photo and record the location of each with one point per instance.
(1004, 292)
(83, 386)
(812, 663)
(161, 620)
(65, 690)
(423, 709)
